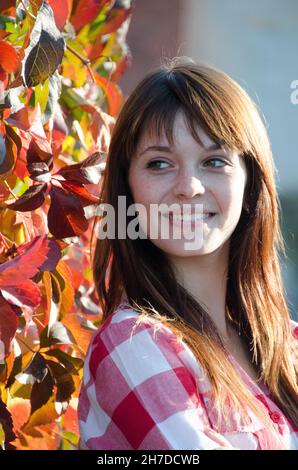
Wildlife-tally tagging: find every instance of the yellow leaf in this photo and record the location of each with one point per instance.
(2, 436)
(44, 415)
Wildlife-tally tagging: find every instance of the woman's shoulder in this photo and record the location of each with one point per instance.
(138, 345)
(127, 325)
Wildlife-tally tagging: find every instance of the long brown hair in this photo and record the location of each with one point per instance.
(255, 301)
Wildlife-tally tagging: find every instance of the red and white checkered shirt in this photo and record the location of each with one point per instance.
(144, 389)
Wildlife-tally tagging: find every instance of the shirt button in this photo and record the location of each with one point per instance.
(262, 399)
(275, 416)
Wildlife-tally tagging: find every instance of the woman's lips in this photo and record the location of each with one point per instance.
(189, 220)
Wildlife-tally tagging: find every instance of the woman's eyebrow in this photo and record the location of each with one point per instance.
(164, 148)
(159, 148)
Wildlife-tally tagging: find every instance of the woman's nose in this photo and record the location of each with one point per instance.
(188, 185)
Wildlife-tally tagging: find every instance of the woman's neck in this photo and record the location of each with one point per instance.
(205, 278)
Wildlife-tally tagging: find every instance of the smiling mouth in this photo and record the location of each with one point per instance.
(189, 218)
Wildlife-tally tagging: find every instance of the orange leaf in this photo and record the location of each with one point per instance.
(64, 276)
(113, 94)
(20, 411)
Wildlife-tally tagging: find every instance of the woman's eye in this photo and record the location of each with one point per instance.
(216, 162)
(157, 165)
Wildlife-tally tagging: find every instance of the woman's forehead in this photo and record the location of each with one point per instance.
(165, 136)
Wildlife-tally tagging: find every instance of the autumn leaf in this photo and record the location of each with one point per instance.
(28, 263)
(64, 277)
(52, 117)
(66, 216)
(41, 392)
(61, 11)
(72, 364)
(113, 94)
(57, 334)
(16, 286)
(24, 293)
(89, 171)
(101, 125)
(116, 16)
(34, 372)
(55, 88)
(30, 121)
(46, 414)
(35, 5)
(8, 57)
(7, 432)
(86, 11)
(10, 147)
(8, 324)
(81, 192)
(63, 381)
(32, 198)
(6, 5)
(46, 49)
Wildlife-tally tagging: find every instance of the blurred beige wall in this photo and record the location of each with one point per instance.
(153, 33)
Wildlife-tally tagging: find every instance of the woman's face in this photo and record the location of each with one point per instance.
(187, 174)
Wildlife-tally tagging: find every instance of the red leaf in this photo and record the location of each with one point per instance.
(6, 5)
(32, 199)
(4, 192)
(30, 120)
(36, 154)
(8, 324)
(61, 11)
(54, 256)
(20, 119)
(24, 293)
(66, 217)
(8, 57)
(26, 265)
(53, 253)
(81, 192)
(86, 11)
(86, 172)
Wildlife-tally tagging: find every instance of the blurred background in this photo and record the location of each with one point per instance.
(254, 42)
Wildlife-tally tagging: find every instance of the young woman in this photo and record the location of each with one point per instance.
(196, 348)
